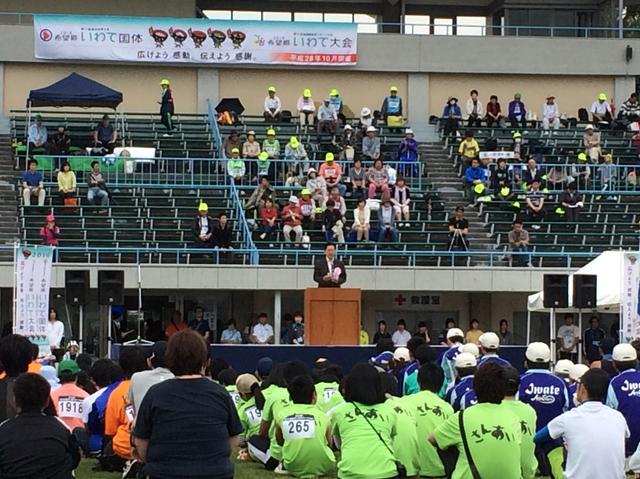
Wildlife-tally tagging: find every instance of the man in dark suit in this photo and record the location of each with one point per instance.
(328, 272)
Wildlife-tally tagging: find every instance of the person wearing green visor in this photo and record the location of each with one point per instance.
(517, 112)
(235, 166)
(392, 104)
(272, 106)
(581, 172)
(338, 105)
(271, 145)
(306, 108)
(297, 158)
(601, 111)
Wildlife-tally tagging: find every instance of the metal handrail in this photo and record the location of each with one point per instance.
(248, 243)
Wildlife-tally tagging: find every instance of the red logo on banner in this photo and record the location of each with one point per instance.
(46, 35)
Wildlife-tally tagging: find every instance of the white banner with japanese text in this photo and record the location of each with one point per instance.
(33, 280)
(186, 40)
(630, 316)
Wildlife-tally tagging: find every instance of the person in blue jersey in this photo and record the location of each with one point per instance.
(562, 370)
(466, 367)
(624, 391)
(455, 338)
(548, 395)
(423, 355)
(575, 373)
(489, 346)
(412, 345)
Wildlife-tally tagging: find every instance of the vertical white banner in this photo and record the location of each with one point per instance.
(629, 316)
(33, 281)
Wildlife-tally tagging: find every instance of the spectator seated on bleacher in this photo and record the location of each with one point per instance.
(317, 186)
(532, 172)
(292, 221)
(260, 194)
(494, 113)
(474, 110)
(474, 175)
(357, 179)
(571, 203)
(331, 171)
(630, 109)
(517, 112)
(251, 148)
(333, 222)
(231, 142)
(37, 135)
(268, 219)
(550, 114)
(60, 142)
(306, 108)
(236, 168)
(392, 105)
(66, 184)
(458, 229)
(601, 112)
(296, 155)
(347, 143)
(401, 199)
(581, 172)
(386, 221)
(408, 150)
(608, 175)
(338, 105)
(366, 120)
(535, 203)
(378, 177)
(33, 184)
(519, 243)
(50, 232)
(327, 118)
(371, 144)
(500, 176)
(105, 135)
(308, 209)
(591, 141)
(517, 145)
(271, 145)
(362, 220)
(272, 106)
(222, 233)
(97, 194)
(202, 228)
(469, 148)
(338, 201)
(451, 117)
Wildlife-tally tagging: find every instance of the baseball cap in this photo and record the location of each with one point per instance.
(408, 131)
(68, 367)
(466, 360)
(517, 134)
(538, 353)
(577, 370)
(235, 149)
(402, 354)
(329, 156)
(312, 170)
(455, 332)
(365, 111)
(305, 191)
(348, 127)
(271, 131)
(589, 127)
(489, 340)
(306, 93)
(263, 156)
(517, 95)
(244, 383)
(203, 207)
(393, 88)
(251, 132)
(164, 81)
(602, 97)
(563, 366)
(470, 348)
(582, 157)
(624, 352)
(371, 128)
(294, 142)
(37, 117)
(264, 366)
(334, 92)
(271, 88)
(293, 199)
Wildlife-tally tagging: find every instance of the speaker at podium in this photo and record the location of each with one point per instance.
(332, 316)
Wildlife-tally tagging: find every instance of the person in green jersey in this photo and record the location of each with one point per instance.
(250, 415)
(227, 378)
(405, 443)
(527, 416)
(327, 387)
(430, 411)
(364, 427)
(491, 431)
(304, 432)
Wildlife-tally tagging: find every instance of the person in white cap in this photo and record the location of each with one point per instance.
(624, 391)
(593, 434)
(371, 144)
(402, 355)
(591, 142)
(548, 395)
(575, 373)
(292, 220)
(455, 338)
(489, 346)
(550, 114)
(562, 370)
(471, 349)
(466, 364)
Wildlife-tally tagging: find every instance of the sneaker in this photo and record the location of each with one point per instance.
(263, 236)
(167, 135)
(280, 470)
(535, 227)
(598, 198)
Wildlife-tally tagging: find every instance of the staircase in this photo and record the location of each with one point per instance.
(9, 231)
(444, 180)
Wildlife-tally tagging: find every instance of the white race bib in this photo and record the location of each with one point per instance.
(69, 406)
(299, 427)
(130, 413)
(328, 393)
(254, 415)
(235, 397)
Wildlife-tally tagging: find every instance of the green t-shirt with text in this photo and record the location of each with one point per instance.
(275, 398)
(305, 452)
(527, 416)
(363, 455)
(250, 417)
(494, 438)
(328, 396)
(405, 444)
(430, 412)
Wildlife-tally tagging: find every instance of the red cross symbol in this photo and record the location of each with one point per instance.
(400, 299)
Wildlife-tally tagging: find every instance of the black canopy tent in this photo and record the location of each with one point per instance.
(74, 90)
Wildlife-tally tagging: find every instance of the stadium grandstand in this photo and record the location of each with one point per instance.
(464, 172)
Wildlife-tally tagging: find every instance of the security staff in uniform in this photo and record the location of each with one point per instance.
(392, 104)
(166, 106)
(489, 346)
(466, 367)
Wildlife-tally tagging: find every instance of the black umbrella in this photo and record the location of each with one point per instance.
(230, 104)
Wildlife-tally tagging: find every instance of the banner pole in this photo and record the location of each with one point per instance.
(16, 246)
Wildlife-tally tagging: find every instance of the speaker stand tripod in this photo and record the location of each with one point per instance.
(139, 341)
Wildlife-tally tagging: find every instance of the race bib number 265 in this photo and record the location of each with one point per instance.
(299, 427)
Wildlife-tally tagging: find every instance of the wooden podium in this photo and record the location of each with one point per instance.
(332, 316)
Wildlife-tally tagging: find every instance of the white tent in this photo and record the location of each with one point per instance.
(608, 268)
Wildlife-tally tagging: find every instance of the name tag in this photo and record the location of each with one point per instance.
(69, 406)
(328, 393)
(299, 427)
(254, 415)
